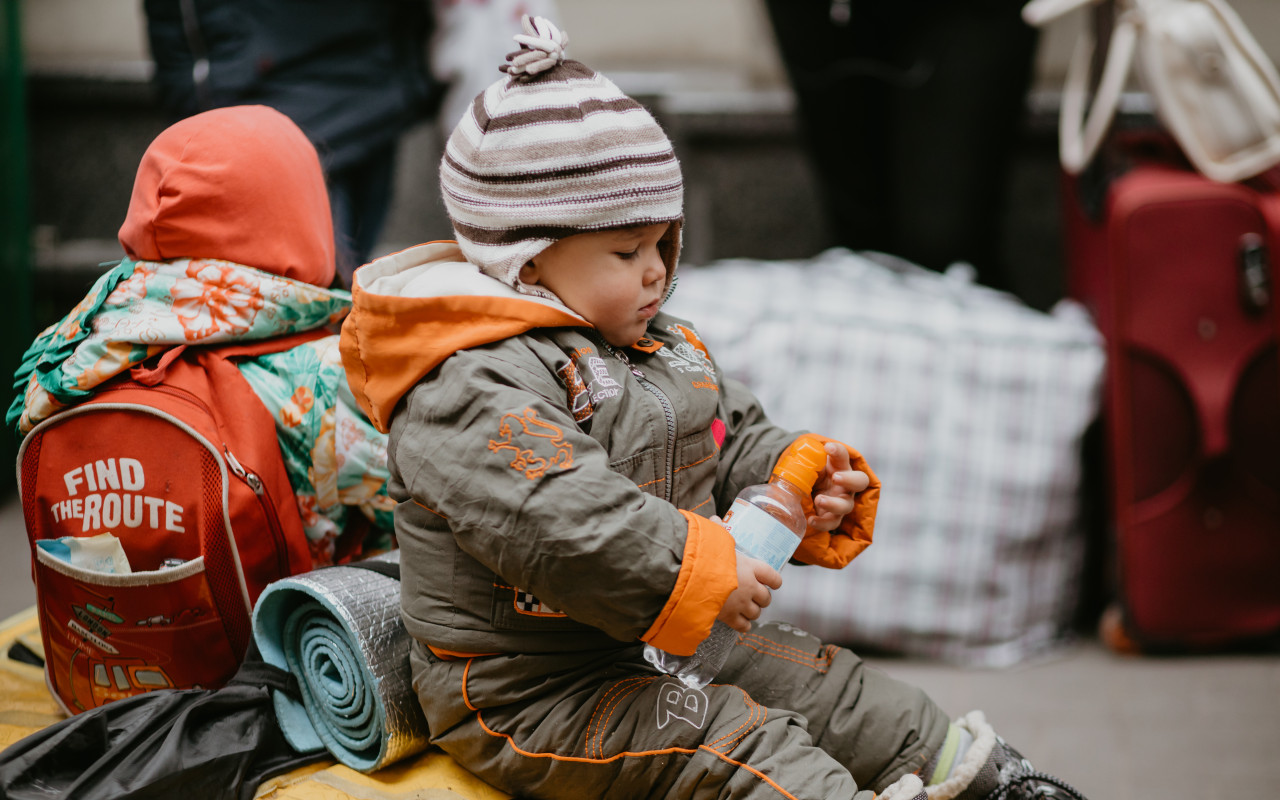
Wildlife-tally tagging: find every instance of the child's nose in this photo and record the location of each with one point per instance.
(655, 269)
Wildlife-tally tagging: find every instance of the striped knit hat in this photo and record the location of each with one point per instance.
(552, 150)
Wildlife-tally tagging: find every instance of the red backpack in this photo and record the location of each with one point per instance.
(180, 462)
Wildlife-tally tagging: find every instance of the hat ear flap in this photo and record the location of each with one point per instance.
(528, 273)
(669, 246)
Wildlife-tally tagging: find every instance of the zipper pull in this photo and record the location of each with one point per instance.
(626, 362)
(249, 477)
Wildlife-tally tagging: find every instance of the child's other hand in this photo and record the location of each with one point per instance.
(755, 579)
(834, 491)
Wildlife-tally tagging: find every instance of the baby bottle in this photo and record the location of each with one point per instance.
(767, 522)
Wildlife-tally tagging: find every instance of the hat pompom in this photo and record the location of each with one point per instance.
(541, 47)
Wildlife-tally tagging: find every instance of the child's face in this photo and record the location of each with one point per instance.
(613, 279)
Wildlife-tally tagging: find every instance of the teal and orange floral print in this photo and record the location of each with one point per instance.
(140, 308)
(336, 460)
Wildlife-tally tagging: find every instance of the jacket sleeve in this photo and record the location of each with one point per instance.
(835, 549)
(751, 444)
(493, 449)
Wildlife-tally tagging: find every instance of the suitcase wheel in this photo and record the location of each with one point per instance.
(1112, 632)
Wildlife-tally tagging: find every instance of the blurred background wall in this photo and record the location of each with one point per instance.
(709, 68)
(729, 38)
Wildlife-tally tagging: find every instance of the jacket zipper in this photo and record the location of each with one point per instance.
(264, 500)
(667, 410)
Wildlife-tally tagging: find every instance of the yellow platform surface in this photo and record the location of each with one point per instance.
(26, 706)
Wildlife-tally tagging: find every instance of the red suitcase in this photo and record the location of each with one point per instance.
(1175, 269)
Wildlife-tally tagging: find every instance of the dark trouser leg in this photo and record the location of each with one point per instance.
(359, 198)
(911, 113)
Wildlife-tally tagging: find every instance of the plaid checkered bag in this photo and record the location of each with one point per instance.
(971, 408)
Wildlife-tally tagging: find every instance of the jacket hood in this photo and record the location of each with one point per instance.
(241, 184)
(413, 309)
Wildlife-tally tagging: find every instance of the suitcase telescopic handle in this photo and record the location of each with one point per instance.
(1255, 274)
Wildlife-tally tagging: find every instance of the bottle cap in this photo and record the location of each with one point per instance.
(802, 463)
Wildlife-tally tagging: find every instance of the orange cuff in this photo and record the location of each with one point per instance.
(708, 573)
(835, 549)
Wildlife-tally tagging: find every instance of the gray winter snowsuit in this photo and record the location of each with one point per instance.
(553, 499)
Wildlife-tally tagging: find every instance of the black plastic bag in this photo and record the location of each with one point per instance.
(208, 744)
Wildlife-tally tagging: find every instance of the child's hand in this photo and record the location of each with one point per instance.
(834, 490)
(755, 579)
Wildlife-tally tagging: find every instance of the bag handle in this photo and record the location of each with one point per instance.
(1081, 131)
(1038, 13)
(1080, 134)
(1247, 141)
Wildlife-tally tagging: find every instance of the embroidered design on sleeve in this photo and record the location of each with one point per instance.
(522, 434)
(578, 395)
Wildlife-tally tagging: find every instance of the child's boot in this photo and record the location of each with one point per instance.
(976, 764)
(908, 787)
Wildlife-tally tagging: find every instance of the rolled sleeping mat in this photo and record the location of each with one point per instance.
(338, 630)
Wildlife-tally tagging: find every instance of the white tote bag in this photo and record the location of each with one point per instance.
(1213, 86)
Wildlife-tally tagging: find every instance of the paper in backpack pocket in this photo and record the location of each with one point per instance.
(101, 553)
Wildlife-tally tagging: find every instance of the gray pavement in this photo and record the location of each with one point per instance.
(1118, 728)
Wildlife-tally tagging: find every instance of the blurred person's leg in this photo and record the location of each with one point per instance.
(911, 114)
(360, 198)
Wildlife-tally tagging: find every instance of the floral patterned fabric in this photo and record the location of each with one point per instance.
(335, 458)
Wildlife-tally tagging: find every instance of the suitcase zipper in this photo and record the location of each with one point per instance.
(259, 489)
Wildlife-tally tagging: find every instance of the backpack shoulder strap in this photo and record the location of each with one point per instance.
(277, 344)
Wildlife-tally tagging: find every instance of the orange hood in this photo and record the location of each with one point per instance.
(241, 184)
(413, 309)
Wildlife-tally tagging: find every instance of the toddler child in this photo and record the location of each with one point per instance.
(558, 449)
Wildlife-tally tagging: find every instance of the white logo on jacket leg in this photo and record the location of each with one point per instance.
(679, 701)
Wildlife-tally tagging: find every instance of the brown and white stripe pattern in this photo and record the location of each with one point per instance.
(542, 157)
